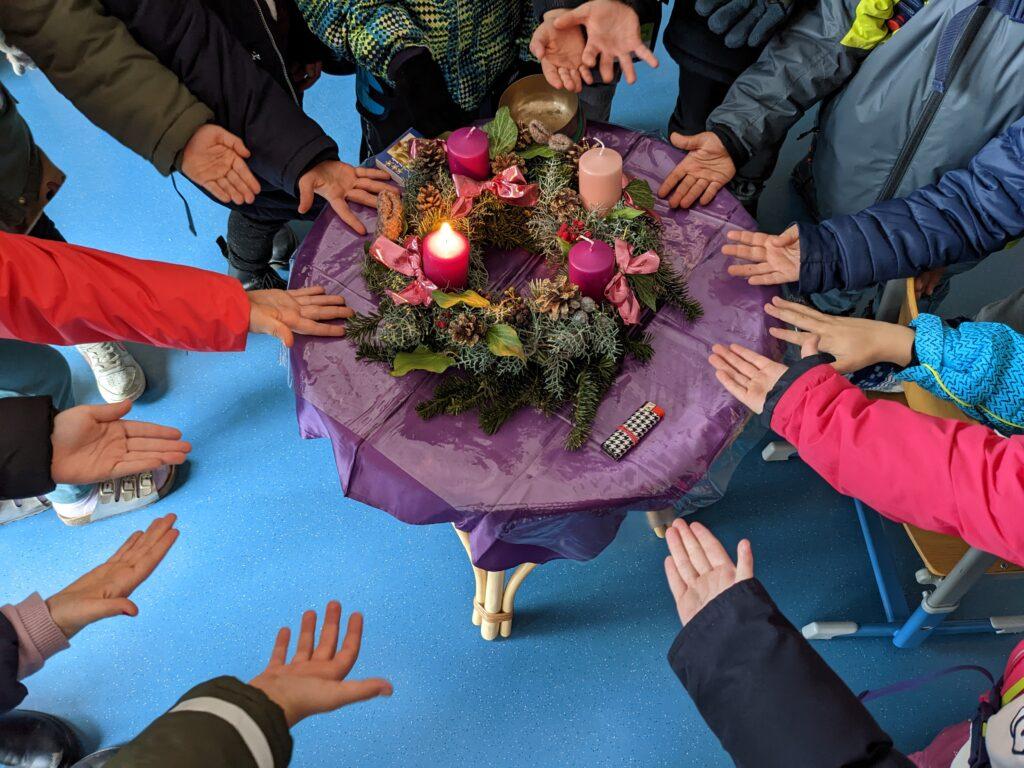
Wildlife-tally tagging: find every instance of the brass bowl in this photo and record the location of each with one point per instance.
(557, 110)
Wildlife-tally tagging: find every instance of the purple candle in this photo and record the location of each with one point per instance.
(591, 267)
(469, 153)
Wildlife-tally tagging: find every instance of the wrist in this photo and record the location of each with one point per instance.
(898, 345)
(271, 691)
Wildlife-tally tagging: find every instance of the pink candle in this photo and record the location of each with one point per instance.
(591, 267)
(469, 153)
(446, 258)
(600, 179)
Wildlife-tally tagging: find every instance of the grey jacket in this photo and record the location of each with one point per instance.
(899, 109)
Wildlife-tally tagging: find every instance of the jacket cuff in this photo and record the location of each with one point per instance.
(39, 637)
(790, 377)
(265, 713)
(739, 154)
(820, 265)
(319, 150)
(166, 155)
(540, 7)
(26, 452)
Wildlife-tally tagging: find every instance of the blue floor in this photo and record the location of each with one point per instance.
(266, 533)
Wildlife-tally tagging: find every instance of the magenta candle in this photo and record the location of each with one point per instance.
(446, 258)
(469, 153)
(600, 179)
(591, 267)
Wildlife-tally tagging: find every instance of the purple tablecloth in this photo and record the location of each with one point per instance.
(519, 494)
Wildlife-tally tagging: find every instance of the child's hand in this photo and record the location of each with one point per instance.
(103, 592)
(339, 183)
(747, 375)
(700, 569)
(613, 34)
(774, 259)
(706, 168)
(560, 53)
(303, 310)
(856, 343)
(215, 160)
(314, 680)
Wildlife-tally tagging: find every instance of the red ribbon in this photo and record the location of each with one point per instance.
(618, 291)
(406, 261)
(510, 185)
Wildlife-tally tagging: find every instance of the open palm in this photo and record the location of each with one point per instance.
(92, 443)
(215, 160)
(103, 592)
(560, 53)
(773, 259)
(706, 168)
(314, 680)
(699, 569)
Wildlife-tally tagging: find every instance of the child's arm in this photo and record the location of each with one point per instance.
(967, 215)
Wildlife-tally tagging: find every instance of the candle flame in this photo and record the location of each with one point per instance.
(447, 243)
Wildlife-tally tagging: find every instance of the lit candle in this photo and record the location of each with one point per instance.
(591, 267)
(469, 153)
(600, 179)
(446, 258)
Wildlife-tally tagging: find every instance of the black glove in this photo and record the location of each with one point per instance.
(420, 84)
(744, 22)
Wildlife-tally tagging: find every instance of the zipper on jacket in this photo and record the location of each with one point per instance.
(280, 58)
(931, 106)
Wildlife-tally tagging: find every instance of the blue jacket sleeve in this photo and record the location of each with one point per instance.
(969, 214)
(978, 366)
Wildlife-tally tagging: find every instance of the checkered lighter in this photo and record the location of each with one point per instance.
(629, 434)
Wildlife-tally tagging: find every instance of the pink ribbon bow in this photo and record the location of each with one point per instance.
(406, 261)
(618, 291)
(510, 185)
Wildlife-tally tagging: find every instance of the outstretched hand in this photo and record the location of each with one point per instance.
(314, 680)
(613, 34)
(91, 444)
(774, 259)
(302, 310)
(215, 160)
(855, 342)
(706, 168)
(103, 592)
(560, 53)
(747, 375)
(339, 183)
(699, 569)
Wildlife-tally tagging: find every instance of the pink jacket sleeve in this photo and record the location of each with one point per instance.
(39, 637)
(941, 475)
(58, 293)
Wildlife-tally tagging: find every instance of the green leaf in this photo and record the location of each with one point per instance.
(503, 341)
(469, 298)
(563, 246)
(503, 132)
(420, 360)
(644, 286)
(537, 150)
(641, 193)
(626, 213)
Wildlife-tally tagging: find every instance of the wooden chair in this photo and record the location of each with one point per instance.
(951, 566)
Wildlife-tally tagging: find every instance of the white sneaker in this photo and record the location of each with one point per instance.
(118, 375)
(19, 509)
(120, 495)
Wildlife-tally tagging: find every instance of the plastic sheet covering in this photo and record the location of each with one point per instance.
(521, 496)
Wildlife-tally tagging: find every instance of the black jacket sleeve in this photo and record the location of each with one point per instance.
(11, 691)
(26, 452)
(193, 42)
(768, 696)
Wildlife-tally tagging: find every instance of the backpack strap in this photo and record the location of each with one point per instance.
(913, 683)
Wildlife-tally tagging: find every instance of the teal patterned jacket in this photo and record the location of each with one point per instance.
(978, 366)
(474, 41)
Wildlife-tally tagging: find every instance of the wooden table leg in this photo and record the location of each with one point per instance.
(494, 599)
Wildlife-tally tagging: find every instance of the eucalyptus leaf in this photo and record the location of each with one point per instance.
(641, 193)
(420, 360)
(537, 150)
(503, 341)
(626, 213)
(469, 298)
(563, 246)
(503, 132)
(644, 288)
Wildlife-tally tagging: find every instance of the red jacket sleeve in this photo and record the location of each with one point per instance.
(942, 475)
(58, 293)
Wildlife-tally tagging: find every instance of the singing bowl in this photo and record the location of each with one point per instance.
(557, 110)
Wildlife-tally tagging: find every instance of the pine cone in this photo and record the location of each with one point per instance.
(525, 139)
(502, 162)
(466, 329)
(428, 198)
(575, 151)
(430, 153)
(566, 205)
(554, 297)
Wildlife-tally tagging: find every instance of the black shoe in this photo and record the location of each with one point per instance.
(285, 243)
(261, 280)
(97, 759)
(36, 740)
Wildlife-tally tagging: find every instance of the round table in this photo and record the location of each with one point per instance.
(518, 498)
